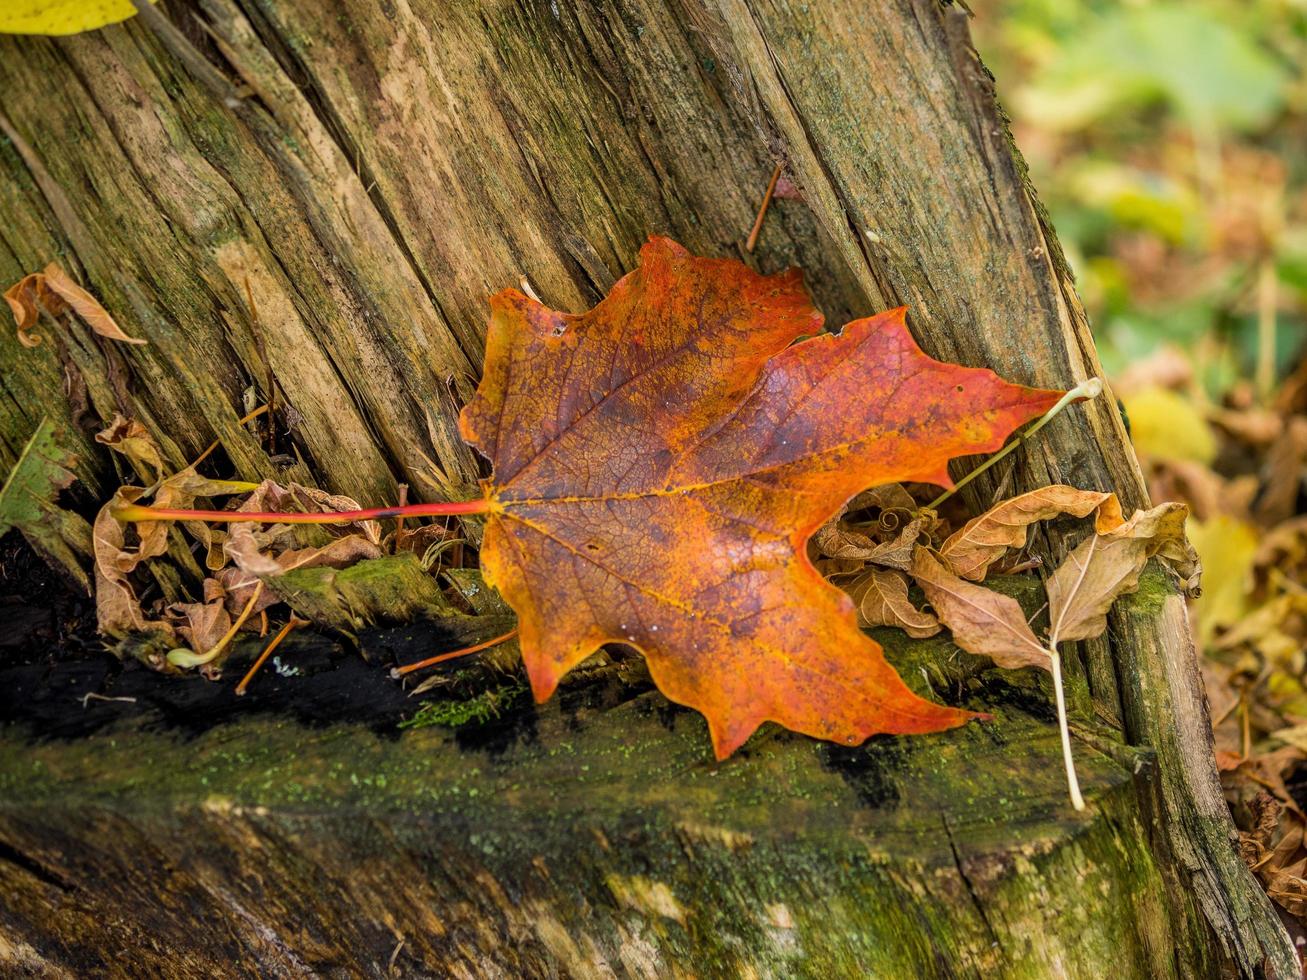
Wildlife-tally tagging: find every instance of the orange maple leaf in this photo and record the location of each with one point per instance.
(661, 461)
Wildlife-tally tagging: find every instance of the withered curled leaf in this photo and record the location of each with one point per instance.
(881, 596)
(982, 621)
(1107, 564)
(983, 540)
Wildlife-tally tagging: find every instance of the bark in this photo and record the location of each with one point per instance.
(386, 168)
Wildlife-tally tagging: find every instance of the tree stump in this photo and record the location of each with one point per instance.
(368, 177)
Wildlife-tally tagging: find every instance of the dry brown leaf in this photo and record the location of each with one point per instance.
(1286, 464)
(834, 540)
(117, 608)
(891, 496)
(257, 552)
(984, 539)
(24, 298)
(129, 437)
(897, 552)
(982, 621)
(338, 554)
(85, 305)
(889, 542)
(1107, 564)
(1275, 851)
(311, 499)
(419, 539)
(1207, 493)
(55, 290)
(203, 624)
(1251, 425)
(882, 600)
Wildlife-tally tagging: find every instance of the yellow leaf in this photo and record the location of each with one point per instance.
(1227, 547)
(61, 16)
(1164, 425)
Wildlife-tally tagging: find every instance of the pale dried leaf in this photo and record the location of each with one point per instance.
(1107, 564)
(887, 544)
(834, 540)
(22, 300)
(250, 568)
(984, 539)
(85, 305)
(129, 437)
(117, 608)
(203, 624)
(982, 621)
(882, 600)
(897, 552)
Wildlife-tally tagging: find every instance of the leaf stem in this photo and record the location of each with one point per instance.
(1073, 784)
(189, 658)
(399, 672)
(762, 209)
(267, 652)
(1090, 388)
(137, 513)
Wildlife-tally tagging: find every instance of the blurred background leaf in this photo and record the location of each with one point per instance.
(1167, 140)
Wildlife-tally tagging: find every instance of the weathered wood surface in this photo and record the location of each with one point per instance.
(395, 163)
(186, 834)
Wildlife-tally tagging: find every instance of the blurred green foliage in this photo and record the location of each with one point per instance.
(1169, 142)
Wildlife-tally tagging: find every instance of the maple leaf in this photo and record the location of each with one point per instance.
(661, 461)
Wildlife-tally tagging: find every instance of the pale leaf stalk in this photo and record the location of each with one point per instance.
(1073, 784)
(189, 658)
(1090, 388)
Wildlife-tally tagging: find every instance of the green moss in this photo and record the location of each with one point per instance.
(454, 714)
(1155, 588)
(392, 589)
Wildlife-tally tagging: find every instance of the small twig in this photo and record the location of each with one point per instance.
(256, 327)
(92, 696)
(399, 672)
(762, 209)
(1091, 388)
(217, 442)
(1245, 725)
(526, 288)
(1267, 281)
(403, 502)
(267, 652)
